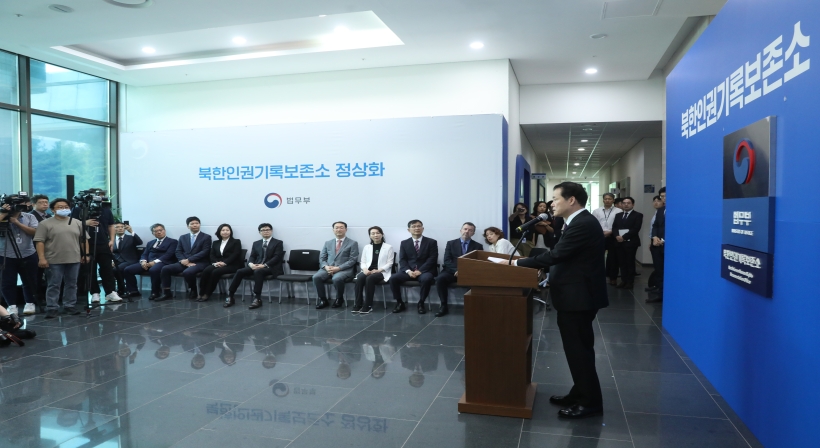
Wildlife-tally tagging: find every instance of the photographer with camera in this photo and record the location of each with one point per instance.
(17, 253)
(518, 218)
(57, 240)
(92, 205)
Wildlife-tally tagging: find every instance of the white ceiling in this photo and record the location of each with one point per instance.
(556, 145)
(546, 40)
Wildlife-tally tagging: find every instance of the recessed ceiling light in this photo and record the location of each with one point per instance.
(582, 149)
(341, 29)
(239, 40)
(575, 172)
(584, 141)
(598, 36)
(576, 164)
(477, 45)
(149, 50)
(60, 8)
(322, 15)
(131, 3)
(591, 71)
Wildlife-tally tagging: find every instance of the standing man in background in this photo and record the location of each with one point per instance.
(658, 234)
(578, 290)
(21, 229)
(606, 216)
(627, 228)
(101, 231)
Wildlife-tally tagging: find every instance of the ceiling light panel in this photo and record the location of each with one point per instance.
(477, 45)
(131, 3)
(285, 37)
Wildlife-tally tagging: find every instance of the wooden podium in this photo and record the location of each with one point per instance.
(497, 336)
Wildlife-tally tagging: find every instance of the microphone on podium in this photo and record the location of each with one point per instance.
(532, 222)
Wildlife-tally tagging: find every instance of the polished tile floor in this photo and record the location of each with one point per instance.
(197, 375)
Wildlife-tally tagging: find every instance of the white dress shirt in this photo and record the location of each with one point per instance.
(606, 216)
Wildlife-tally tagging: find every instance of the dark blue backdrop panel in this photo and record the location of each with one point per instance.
(763, 355)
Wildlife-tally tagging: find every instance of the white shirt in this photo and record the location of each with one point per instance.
(222, 247)
(502, 246)
(606, 216)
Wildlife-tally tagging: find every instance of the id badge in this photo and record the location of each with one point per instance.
(19, 240)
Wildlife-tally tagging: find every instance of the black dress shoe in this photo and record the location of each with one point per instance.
(442, 311)
(154, 296)
(562, 400)
(192, 295)
(577, 411)
(166, 296)
(356, 309)
(337, 303)
(229, 302)
(131, 294)
(651, 289)
(656, 299)
(422, 308)
(399, 307)
(366, 310)
(322, 304)
(257, 303)
(202, 299)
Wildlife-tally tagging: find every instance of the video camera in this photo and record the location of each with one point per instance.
(17, 202)
(93, 200)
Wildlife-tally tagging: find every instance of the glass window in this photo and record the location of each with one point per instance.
(64, 91)
(9, 152)
(61, 147)
(8, 78)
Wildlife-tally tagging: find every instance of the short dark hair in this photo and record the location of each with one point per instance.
(155, 226)
(37, 197)
(219, 231)
(657, 198)
(375, 228)
(191, 219)
(261, 226)
(630, 198)
(495, 230)
(617, 200)
(572, 189)
(339, 222)
(610, 195)
(117, 222)
(56, 200)
(413, 221)
(662, 190)
(468, 223)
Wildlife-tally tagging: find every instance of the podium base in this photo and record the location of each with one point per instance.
(500, 410)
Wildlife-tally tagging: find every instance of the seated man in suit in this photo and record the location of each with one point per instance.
(125, 252)
(193, 254)
(417, 261)
(449, 273)
(158, 253)
(338, 261)
(266, 258)
(627, 228)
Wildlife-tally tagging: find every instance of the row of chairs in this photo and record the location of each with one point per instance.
(306, 260)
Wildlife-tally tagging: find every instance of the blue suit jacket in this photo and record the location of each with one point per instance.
(200, 252)
(164, 253)
(426, 259)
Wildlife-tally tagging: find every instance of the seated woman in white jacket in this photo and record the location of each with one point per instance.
(495, 238)
(377, 264)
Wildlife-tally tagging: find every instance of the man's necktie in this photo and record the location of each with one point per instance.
(565, 226)
(264, 246)
(193, 238)
(338, 245)
(417, 247)
(463, 247)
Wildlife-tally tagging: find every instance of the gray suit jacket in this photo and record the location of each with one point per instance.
(347, 257)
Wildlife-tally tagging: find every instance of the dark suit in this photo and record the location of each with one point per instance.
(165, 253)
(231, 256)
(125, 254)
(658, 230)
(272, 258)
(452, 251)
(198, 254)
(629, 246)
(578, 291)
(409, 260)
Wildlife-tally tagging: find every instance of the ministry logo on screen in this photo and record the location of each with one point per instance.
(744, 163)
(748, 160)
(273, 200)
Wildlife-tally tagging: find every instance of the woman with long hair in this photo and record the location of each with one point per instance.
(226, 258)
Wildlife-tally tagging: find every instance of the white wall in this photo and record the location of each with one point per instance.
(642, 164)
(594, 102)
(395, 92)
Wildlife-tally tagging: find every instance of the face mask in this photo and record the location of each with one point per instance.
(64, 212)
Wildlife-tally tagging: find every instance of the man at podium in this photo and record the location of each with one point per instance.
(578, 289)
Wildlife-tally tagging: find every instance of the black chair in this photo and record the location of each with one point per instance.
(300, 260)
(533, 253)
(384, 283)
(416, 284)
